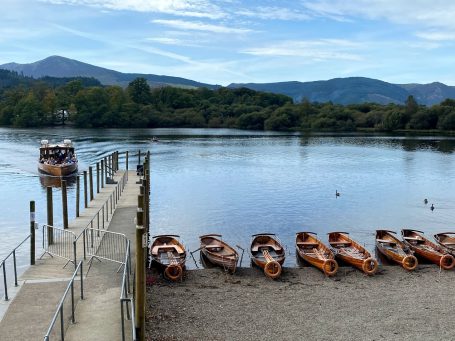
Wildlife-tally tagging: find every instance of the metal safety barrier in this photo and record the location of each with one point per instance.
(3, 266)
(60, 243)
(60, 308)
(126, 297)
(107, 245)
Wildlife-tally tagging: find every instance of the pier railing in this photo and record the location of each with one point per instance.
(59, 242)
(3, 266)
(60, 312)
(127, 298)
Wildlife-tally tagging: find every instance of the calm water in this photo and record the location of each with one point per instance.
(239, 182)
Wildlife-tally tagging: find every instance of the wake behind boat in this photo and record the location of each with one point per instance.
(57, 159)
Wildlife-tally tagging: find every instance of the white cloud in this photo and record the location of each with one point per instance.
(273, 13)
(436, 35)
(316, 50)
(199, 26)
(190, 8)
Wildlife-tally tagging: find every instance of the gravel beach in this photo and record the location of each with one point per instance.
(303, 305)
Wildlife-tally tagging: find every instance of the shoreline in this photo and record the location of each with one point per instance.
(303, 304)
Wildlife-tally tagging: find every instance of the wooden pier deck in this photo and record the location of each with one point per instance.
(30, 310)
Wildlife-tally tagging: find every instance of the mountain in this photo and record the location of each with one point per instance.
(356, 90)
(56, 66)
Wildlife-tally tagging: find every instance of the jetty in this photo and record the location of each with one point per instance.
(80, 282)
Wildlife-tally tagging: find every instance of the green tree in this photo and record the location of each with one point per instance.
(139, 91)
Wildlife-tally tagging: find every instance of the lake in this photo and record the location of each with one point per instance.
(238, 183)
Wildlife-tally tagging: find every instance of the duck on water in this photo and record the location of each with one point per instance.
(57, 159)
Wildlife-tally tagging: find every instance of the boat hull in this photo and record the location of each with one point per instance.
(395, 250)
(313, 251)
(57, 170)
(219, 253)
(268, 254)
(170, 255)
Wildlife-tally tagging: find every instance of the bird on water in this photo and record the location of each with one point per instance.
(432, 207)
(425, 201)
(337, 194)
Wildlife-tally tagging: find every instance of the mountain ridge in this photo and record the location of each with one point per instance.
(349, 90)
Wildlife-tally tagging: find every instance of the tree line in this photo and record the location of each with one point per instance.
(37, 103)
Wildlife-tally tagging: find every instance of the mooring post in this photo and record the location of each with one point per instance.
(126, 161)
(64, 205)
(97, 177)
(32, 233)
(140, 276)
(78, 194)
(106, 166)
(116, 160)
(85, 190)
(50, 216)
(139, 157)
(90, 172)
(102, 173)
(110, 165)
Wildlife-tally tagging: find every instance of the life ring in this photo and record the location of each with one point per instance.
(272, 269)
(409, 262)
(447, 262)
(330, 267)
(173, 272)
(370, 266)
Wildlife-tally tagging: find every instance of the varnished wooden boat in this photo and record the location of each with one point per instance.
(312, 250)
(267, 253)
(395, 250)
(170, 254)
(447, 241)
(351, 252)
(57, 159)
(219, 252)
(425, 248)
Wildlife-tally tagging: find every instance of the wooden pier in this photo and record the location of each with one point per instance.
(101, 237)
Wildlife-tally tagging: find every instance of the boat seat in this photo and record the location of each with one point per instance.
(166, 248)
(449, 244)
(307, 244)
(256, 247)
(386, 241)
(341, 244)
(214, 247)
(414, 239)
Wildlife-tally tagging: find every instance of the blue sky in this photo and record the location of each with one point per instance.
(224, 41)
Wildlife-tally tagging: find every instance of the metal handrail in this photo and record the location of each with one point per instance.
(124, 295)
(13, 252)
(60, 306)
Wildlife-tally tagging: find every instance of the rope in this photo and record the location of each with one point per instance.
(171, 258)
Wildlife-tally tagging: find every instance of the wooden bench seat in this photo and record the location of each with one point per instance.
(341, 244)
(386, 241)
(307, 244)
(166, 248)
(256, 247)
(214, 248)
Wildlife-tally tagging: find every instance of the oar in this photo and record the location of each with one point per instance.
(191, 253)
(241, 258)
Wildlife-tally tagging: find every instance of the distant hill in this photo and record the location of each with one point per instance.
(56, 66)
(338, 90)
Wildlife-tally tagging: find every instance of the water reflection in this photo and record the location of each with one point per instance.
(56, 181)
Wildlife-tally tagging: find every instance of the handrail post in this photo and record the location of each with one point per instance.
(82, 283)
(15, 268)
(50, 217)
(140, 276)
(64, 205)
(126, 161)
(102, 173)
(4, 281)
(97, 177)
(90, 171)
(78, 194)
(32, 235)
(85, 190)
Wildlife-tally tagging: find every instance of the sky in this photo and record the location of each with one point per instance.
(233, 41)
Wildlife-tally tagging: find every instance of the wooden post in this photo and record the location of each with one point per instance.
(97, 177)
(110, 165)
(116, 160)
(78, 194)
(32, 233)
(102, 173)
(140, 277)
(139, 157)
(85, 190)
(64, 205)
(50, 216)
(126, 161)
(90, 172)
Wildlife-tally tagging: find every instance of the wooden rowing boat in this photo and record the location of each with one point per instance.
(447, 241)
(57, 159)
(167, 252)
(267, 253)
(395, 250)
(315, 252)
(351, 252)
(425, 248)
(219, 252)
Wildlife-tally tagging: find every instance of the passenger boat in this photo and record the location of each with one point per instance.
(425, 248)
(218, 252)
(447, 241)
(57, 159)
(351, 252)
(267, 253)
(315, 252)
(169, 253)
(395, 250)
